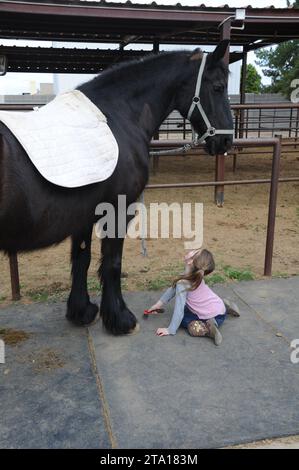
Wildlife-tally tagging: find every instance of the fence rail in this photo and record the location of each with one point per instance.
(239, 144)
(275, 143)
(250, 120)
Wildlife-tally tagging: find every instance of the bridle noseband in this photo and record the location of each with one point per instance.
(211, 131)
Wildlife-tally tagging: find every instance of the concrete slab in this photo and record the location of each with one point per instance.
(276, 302)
(291, 442)
(170, 392)
(49, 396)
(183, 392)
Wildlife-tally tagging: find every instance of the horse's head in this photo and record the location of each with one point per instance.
(204, 101)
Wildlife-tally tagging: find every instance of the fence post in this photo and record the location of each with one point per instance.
(272, 207)
(220, 159)
(14, 276)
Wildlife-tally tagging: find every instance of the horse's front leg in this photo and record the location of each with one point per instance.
(80, 310)
(117, 318)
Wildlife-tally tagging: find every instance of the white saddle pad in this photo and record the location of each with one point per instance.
(67, 140)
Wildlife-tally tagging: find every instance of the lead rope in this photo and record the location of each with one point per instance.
(143, 224)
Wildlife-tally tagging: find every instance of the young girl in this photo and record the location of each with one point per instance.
(197, 307)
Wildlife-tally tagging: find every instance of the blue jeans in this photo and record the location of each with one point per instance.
(190, 316)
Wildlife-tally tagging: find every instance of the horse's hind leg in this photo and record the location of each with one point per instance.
(117, 318)
(80, 310)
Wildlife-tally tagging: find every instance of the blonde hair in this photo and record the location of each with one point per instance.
(202, 264)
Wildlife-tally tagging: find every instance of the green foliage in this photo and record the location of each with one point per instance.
(54, 292)
(238, 275)
(253, 80)
(93, 285)
(281, 64)
(278, 274)
(158, 284)
(227, 273)
(214, 279)
(38, 295)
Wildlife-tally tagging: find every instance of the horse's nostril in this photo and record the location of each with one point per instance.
(228, 143)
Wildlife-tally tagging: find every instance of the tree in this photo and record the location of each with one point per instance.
(253, 80)
(281, 63)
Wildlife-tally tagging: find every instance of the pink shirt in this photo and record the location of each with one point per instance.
(204, 302)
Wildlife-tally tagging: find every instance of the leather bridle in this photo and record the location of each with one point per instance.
(211, 131)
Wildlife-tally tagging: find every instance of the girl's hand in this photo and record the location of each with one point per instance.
(156, 306)
(162, 332)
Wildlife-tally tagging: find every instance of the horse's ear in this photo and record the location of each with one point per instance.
(219, 52)
(196, 54)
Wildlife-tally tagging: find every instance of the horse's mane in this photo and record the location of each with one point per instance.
(132, 67)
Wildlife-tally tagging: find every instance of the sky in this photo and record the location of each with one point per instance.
(16, 83)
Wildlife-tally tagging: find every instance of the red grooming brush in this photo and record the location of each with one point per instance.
(146, 313)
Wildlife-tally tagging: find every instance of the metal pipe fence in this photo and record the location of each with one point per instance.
(275, 143)
(240, 143)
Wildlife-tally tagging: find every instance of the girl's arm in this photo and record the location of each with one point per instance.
(164, 299)
(168, 295)
(178, 313)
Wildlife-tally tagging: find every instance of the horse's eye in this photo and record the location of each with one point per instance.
(219, 88)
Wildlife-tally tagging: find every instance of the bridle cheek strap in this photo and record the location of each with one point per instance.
(197, 104)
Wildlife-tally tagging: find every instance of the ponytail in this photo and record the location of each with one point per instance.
(202, 264)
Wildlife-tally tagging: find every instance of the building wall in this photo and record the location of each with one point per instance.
(63, 82)
(234, 78)
(26, 99)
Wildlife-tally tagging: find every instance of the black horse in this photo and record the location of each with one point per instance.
(135, 97)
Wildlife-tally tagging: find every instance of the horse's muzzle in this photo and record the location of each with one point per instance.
(219, 144)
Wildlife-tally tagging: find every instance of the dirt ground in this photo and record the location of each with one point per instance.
(235, 233)
(291, 442)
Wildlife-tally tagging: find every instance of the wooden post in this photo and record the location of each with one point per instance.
(240, 131)
(220, 159)
(156, 135)
(272, 207)
(14, 276)
(243, 79)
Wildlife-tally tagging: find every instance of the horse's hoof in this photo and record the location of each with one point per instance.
(86, 317)
(135, 330)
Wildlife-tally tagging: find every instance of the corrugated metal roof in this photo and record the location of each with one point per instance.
(64, 60)
(152, 5)
(101, 21)
(124, 23)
